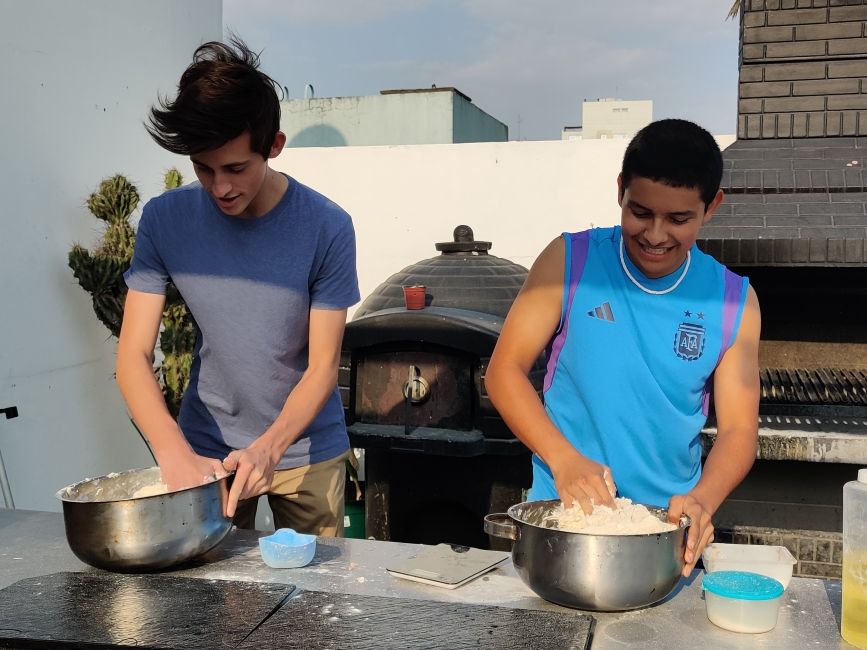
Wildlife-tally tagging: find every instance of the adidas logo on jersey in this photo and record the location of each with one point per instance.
(602, 312)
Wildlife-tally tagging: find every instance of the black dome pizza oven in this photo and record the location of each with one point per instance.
(438, 457)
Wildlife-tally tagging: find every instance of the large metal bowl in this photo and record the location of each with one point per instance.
(107, 528)
(603, 573)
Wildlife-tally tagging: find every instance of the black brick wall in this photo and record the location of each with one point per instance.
(794, 202)
(803, 71)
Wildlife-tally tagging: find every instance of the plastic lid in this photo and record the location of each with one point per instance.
(862, 475)
(743, 585)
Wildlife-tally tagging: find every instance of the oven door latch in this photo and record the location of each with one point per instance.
(416, 390)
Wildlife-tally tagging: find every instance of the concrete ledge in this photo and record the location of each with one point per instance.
(805, 445)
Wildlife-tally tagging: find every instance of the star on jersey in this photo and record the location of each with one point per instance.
(687, 313)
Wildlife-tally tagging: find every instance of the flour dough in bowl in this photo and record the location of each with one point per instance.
(151, 490)
(626, 518)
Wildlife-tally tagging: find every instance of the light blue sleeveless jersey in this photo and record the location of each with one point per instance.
(628, 371)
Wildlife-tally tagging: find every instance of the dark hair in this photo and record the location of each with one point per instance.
(220, 95)
(676, 153)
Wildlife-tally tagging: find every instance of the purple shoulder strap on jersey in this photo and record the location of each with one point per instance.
(731, 304)
(578, 243)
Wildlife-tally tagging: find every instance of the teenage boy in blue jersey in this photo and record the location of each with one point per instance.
(266, 267)
(640, 329)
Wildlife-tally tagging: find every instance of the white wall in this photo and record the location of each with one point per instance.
(78, 77)
(518, 195)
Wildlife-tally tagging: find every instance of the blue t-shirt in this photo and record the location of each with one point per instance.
(250, 285)
(629, 371)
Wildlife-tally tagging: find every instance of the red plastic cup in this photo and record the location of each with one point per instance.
(413, 296)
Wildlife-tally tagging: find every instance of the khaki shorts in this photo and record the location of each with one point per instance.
(308, 499)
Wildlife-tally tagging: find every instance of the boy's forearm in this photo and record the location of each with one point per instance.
(303, 404)
(519, 405)
(727, 464)
(146, 404)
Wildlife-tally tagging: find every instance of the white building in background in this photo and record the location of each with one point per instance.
(609, 118)
(410, 116)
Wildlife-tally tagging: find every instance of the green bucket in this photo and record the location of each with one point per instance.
(353, 519)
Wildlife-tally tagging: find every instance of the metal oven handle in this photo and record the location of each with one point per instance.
(416, 389)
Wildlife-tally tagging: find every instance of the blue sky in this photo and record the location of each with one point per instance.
(529, 64)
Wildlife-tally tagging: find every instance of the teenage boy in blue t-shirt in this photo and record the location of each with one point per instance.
(640, 328)
(266, 267)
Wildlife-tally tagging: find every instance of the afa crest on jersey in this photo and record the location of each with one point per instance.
(689, 341)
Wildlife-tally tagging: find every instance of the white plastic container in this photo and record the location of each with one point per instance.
(741, 601)
(773, 561)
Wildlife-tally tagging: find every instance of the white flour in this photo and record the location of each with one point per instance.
(150, 490)
(626, 518)
(153, 489)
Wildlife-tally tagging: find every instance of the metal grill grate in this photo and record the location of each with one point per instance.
(816, 386)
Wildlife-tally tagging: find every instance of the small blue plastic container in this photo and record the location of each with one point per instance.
(286, 549)
(742, 601)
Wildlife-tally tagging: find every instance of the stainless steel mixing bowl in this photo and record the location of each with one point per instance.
(603, 573)
(107, 528)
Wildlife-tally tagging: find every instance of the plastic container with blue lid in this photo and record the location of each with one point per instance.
(742, 601)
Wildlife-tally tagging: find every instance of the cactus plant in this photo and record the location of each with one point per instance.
(177, 340)
(178, 336)
(100, 273)
(172, 179)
